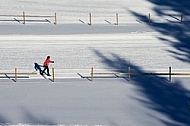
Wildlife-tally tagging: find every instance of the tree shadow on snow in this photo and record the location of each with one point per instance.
(168, 99)
(36, 119)
(3, 120)
(28, 118)
(178, 31)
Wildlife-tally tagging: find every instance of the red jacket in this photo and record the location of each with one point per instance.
(46, 62)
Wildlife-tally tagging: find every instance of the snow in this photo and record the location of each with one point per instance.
(76, 47)
(79, 101)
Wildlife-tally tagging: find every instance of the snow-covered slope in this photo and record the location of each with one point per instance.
(76, 47)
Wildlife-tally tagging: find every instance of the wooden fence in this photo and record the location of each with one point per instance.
(179, 17)
(129, 73)
(116, 23)
(16, 74)
(24, 16)
(180, 20)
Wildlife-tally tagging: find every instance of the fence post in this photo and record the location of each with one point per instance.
(92, 74)
(181, 18)
(24, 18)
(90, 16)
(170, 74)
(15, 74)
(55, 19)
(149, 18)
(53, 72)
(129, 73)
(117, 19)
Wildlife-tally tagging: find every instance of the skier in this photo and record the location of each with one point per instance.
(46, 65)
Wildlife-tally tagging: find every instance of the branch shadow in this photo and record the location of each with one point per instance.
(3, 120)
(176, 5)
(168, 99)
(28, 118)
(36, 119)
(171, 28)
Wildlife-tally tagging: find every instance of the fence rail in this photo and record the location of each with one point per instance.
(24, 16)
(17, 74)
(129, 73)
(178, 17)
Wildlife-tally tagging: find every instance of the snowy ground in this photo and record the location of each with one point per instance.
(76, 47)
(109, 101)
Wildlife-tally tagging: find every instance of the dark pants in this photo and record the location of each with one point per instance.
(46, 68)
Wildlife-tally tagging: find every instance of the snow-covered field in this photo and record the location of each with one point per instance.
(76, 47)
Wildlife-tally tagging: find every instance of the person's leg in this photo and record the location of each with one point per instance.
(45, 67)
(48, 71)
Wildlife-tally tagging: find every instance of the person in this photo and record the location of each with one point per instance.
(46, 65)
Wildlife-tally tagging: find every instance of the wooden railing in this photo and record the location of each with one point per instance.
(129, 73)
(16, 73)
(24, 16)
